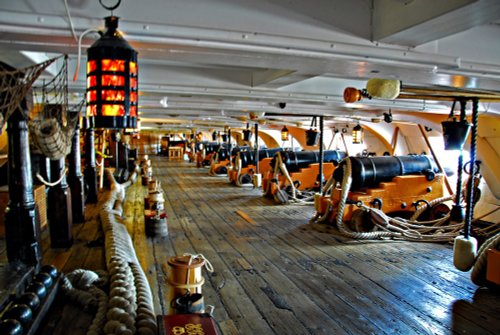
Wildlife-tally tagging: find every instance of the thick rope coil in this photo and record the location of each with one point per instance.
(130, 306)
(478, 274)
(100, 316)
(80, 296)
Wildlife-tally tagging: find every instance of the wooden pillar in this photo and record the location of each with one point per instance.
(90, 174)
(22, 230)
(321, 155)
(59, 207)
(256, 148)
(121, 172)
(75, 179)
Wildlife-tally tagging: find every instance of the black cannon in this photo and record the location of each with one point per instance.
(296, 160)
(248, 157)
(211, 147)
(223, 152)
(370, 171)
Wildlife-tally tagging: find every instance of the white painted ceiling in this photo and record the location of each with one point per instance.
(216, 60)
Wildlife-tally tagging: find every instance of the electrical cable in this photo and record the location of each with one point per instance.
(75, 77)
(70, 21)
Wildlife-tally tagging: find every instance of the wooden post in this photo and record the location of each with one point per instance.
(22, 230)
(90, 166)
(75, 179)
(394, 141)
(256, 147)
(438, 163)
(321, 155)
(59, 207)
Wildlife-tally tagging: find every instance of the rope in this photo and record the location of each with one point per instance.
(470, 182)
(75, 76)
(398, 228)
(70, 20)
(52, 184)
(431, 203)
(208, 265)
(478, 274)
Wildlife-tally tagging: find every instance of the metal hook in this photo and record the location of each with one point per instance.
(111, 8)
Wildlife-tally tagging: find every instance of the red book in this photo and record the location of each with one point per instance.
(187, 324)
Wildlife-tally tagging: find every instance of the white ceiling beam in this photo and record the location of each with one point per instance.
(415, 22)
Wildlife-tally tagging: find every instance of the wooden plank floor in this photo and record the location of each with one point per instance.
(276, 274)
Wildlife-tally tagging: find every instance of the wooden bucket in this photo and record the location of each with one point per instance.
(184, 275)
(155, 224)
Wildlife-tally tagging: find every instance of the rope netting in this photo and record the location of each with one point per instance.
(52, 125)
(14, 86)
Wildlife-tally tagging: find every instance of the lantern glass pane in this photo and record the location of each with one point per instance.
(133, 96)
(91, 110)
(113, 110)
(91, 96)
(112, 80)
(133, 83)
(91, 81)
(115, 65)
(112, 95)
(91, 66)
(133, 68)
(133, 110)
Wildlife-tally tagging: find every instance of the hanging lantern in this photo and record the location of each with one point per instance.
(357, 135)
(284, 133)
(112, 85)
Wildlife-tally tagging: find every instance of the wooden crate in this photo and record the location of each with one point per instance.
(40, 201)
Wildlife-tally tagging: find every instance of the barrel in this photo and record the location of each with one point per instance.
(370, 171)
(185, 275)
(296, 160)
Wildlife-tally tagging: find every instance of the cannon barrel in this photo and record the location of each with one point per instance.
(212, 147)
(222, 154)
(370, 171)
(239, 148)
(248, 157)
(296, 160)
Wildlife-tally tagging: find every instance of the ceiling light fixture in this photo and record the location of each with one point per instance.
(112, 81)
(164, 102)
(357, 134)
